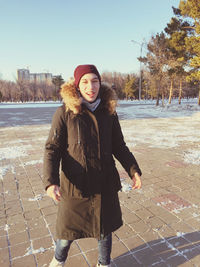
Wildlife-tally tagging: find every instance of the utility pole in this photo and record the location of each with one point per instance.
(140, 80)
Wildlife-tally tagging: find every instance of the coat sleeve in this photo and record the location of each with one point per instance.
(54, 148)
(121, 151)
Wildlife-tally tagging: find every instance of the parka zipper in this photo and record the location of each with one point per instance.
(79, 141)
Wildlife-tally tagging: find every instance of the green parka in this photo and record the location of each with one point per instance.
(84, 142)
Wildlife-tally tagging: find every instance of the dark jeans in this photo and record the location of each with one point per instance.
(104, 247)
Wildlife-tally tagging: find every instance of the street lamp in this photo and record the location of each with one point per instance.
(140, 81)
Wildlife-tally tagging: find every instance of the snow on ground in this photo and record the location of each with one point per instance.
(33, 162)
(148, 109)
(162, 133)
(125, 186)
(36, 198)
(129, 109)
(29, 105)
(174, 125)
(142, 123)
(4, 169)
(12, 152)
(192, 156)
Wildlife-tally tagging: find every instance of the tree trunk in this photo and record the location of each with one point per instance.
(146, 92)
(157, 100)
(158, 96)
(158, 93)
(199, 98)
(163, 99)
(170, 92)
(180, 92)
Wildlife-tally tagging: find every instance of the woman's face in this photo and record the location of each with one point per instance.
(89, 86)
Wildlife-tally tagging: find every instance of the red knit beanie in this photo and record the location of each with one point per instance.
(84, 69)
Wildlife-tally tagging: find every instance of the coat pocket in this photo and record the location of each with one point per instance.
(72, 178)
(71, 187)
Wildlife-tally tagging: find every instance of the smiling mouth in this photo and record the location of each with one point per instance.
(90, 94)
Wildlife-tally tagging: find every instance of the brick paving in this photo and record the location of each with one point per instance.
(161, 221)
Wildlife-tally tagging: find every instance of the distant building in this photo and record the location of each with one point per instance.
(25, 75)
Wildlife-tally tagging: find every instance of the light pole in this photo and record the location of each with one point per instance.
(140, 80)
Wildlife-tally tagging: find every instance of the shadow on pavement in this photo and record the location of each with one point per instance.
(171, 251)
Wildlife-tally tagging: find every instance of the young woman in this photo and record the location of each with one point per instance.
(85, 134)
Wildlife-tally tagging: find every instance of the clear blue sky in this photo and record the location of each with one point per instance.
(58, 35)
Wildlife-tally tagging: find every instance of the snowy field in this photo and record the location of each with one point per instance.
(15, 114)
(173, 126)
(148, 109)
(142, 122)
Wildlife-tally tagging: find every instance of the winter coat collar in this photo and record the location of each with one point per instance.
(73, 102)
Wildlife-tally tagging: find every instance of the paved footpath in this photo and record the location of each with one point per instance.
(161, 221)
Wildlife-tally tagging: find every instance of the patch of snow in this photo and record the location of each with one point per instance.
(5, 169)
(178, 210)
(169, 132)
(180, 234)
(37, 197)
(161, 133)
(14, 152)
(148, 109)
(32, 162)
(170, 246)
(189, 250)
(17, 141)
(12, 169)
(165, 202)
(195, 215)
(126, 187)
(192, 156)
(44, 138)
(31, 251)
(6, 228)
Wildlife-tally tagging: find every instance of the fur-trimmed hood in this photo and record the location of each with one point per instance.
(73, 101)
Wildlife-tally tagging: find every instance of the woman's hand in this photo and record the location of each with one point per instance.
(136, 181)
(53, 191)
